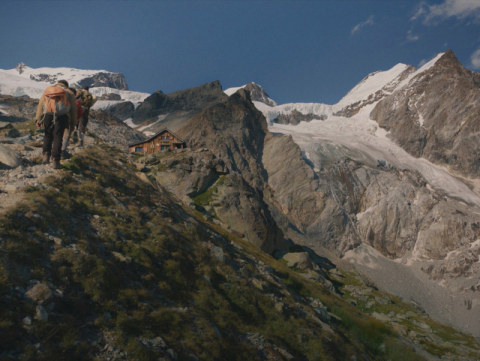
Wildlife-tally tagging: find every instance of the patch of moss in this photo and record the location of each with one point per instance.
(205, 198)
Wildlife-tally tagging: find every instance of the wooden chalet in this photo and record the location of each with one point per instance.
(163, 140)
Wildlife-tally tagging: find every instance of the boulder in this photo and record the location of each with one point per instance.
(10, 157)
(39, 293)
(299, 260)
(218, 254)
(12, 133)
(41, 314)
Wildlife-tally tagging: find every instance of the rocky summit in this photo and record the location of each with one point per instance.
(274, 232)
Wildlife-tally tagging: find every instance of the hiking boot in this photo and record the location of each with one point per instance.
(80, 145)
(66, 155)
(46, 159)
(56, 164)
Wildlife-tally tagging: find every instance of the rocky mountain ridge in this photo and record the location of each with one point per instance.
(435, 116)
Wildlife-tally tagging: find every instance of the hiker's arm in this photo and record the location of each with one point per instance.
(39, 114)
(93, 101)
(73, 112)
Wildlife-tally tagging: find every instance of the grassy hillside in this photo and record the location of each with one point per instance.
(99, 262)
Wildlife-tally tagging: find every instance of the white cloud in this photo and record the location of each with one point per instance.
(422, 63)
(475, 59)
(411, 37)
(459, 9)
(357, 27)
(421, 10)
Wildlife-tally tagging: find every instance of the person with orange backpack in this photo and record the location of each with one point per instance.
(56, 110)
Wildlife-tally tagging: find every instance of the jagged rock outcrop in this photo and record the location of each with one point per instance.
(110, 96)
(180, 103)
(190, 174)
(295, 117)
(437, 115)
(112, 130)
(20, 67)
(123, 110)
(18, 109)
(156, 104)
(257, 93)
(111, 80)
(199, 97)
(235, 132)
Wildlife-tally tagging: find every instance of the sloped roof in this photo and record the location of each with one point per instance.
(156, 135)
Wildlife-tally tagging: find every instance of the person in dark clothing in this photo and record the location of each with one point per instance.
(55, 125)
(87, 100)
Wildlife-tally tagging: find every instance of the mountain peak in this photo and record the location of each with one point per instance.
(20, 67)
(449, 59)
(257, 93)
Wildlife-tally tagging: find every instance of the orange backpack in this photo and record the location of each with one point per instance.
(56, 101)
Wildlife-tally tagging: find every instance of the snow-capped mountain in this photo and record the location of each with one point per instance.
(23, 80)
(373, 88)
(406, 142)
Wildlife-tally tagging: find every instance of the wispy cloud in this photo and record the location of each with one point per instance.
(422, 63)
(411, 37)
(475, 59)
(357, 27)
(460, 9)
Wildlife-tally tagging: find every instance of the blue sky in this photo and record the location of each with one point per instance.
(299, 51)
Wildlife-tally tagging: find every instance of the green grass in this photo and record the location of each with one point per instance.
(205, 198)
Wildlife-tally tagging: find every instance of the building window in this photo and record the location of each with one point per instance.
(152, 146)
(138, 149)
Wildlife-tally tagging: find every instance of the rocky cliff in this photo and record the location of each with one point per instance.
(174, 110)
(295, 117)
(257, 93)
(436, 116)
(235, 132)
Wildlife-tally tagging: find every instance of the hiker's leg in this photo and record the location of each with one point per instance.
(66, 138)
(82, 124)
(60, 125)
(48, 139)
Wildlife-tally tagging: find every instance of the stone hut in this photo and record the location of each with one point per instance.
(163, 140)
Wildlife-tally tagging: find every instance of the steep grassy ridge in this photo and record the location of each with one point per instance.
(122, 270)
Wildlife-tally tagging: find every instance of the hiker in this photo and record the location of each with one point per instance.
(56, 110)
(87, 100)
(68, 131)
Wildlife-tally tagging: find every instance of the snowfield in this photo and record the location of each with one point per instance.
(364, 141)
(360, 137)
(14, 83)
